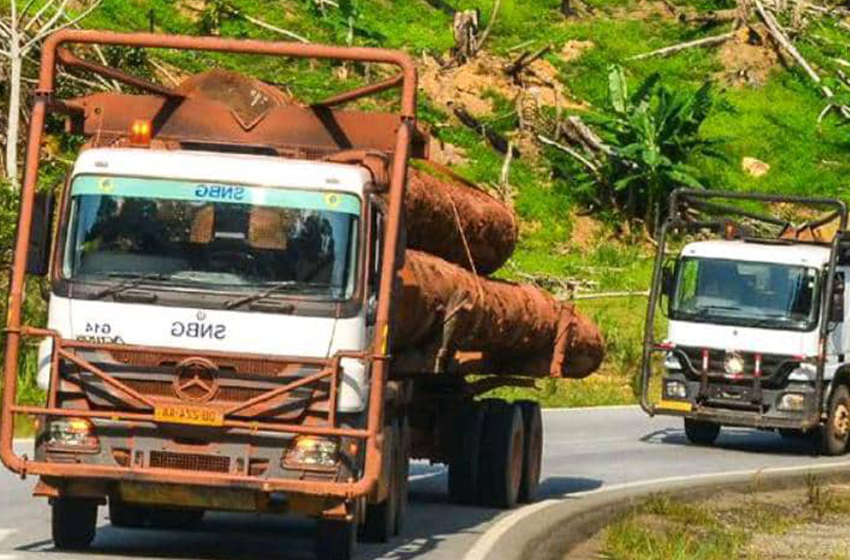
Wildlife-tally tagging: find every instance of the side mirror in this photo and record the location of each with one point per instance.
(836, 306)
(667, 276)
(38, 250)
(371, 310)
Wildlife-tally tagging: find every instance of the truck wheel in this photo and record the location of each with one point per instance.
(74, 523)
(404, 473)
(128, 516)
(501, 472)
(532, 452)
(835, 433)
(701, 432)
(381, 517)
(336, 539)
(463, 463)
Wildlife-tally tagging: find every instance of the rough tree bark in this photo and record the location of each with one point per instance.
(466, 35)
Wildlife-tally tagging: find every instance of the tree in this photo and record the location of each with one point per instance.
(20, 35)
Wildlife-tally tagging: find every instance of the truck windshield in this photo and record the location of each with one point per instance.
(728, 292)
(176, 233)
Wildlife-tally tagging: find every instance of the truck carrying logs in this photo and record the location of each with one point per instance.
(452, 319)
(249, 301)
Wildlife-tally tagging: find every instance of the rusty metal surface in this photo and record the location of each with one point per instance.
(518, 329)
(289, 130)
(404, 137)
(454, 219)
(248, 98)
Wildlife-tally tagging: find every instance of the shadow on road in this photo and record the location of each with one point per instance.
(432, 523)
(741, 439)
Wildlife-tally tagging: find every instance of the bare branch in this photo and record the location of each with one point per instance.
(490, 24)
(164, 71)
(5, 30)
(270, 27)
(26, 9)
(705, 42)
(45, 31)
(51, 22)
(569, 151)
(37, 16)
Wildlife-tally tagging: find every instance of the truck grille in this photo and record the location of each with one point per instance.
(189, 462)
(773, 366)
(155, 388)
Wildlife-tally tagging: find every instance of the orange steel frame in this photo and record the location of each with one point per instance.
(64, 349)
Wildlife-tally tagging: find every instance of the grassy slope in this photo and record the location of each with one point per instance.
(776, 123)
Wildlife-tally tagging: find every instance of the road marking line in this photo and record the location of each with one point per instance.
(483, 547)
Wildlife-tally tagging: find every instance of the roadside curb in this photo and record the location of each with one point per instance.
(551, 528)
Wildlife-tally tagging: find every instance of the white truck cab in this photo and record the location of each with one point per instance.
(212, 251)
(756, 333)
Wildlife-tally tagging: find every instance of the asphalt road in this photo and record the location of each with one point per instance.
(584, 450)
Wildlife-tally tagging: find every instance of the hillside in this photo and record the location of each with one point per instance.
(765, 112)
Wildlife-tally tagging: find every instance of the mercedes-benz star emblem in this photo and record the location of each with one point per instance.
(196, 380)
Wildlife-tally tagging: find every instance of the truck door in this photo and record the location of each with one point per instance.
(376, 243)
(838, 341)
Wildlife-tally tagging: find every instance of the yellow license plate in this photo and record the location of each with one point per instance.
(195, 415)
(678, 406)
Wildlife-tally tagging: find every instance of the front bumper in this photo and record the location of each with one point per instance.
(740, 405)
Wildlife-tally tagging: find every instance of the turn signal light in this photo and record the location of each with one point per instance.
(140, 133)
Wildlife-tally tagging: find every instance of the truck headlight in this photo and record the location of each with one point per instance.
(675, 389)
(733, 364)
(793, 402)
(313, 451)
(72, 434)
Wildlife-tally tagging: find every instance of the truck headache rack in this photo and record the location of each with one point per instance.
(318, 132)
(692, 210)
(738, 399)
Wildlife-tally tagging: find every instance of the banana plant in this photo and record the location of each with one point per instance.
(652, 133)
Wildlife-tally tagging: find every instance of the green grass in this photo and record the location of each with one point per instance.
(721, 528)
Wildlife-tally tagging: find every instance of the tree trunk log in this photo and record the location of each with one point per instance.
(449, 318)
(466, 35)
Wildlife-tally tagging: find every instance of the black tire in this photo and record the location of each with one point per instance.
(500, 474)
(404, 473)
(73, 523)
(463, 463)
(380, 522)
(700, 432)
(532, 452)
(335, 539)
(128, 516)
(835, 432)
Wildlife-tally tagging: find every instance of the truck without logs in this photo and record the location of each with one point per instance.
(262, 305)
(757, 333)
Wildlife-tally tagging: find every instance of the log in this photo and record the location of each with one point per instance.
(448, 216)
(450, 319)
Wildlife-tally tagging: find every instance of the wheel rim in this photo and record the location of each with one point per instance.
(841, 421)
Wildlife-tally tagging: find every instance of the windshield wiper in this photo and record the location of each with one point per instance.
(270, 289)
(771, 319)
(133, 281)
